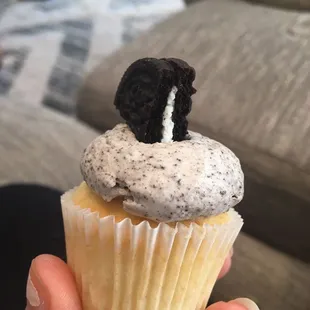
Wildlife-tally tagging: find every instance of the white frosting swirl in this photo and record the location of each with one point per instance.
(164, 181)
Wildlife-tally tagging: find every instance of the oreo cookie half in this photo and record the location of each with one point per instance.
(154, 98)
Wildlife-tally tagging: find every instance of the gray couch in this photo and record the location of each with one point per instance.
(253, 80)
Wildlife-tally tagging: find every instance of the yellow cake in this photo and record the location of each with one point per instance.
(86, 198)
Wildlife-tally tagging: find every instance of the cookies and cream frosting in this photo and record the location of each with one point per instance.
(164, 181)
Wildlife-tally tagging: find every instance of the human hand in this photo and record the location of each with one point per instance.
(51, 286)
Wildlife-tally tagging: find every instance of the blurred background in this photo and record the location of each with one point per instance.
(61, 62)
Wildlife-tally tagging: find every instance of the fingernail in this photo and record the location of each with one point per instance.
(231, 252)
(247, 303)
(32, 295)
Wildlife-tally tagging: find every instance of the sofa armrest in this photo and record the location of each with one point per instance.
(40, 146)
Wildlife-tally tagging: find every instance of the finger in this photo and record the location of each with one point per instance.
(246, 302)
(226, 306)
(237, 304)
(226, 266)
(51, 285)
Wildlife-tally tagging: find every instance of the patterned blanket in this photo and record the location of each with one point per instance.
(50, 46)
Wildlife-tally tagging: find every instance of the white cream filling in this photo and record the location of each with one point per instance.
(168, 124)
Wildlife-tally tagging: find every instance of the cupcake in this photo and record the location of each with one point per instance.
(153, 221)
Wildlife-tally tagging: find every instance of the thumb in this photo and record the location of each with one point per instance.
(237, 304)
(51, 285)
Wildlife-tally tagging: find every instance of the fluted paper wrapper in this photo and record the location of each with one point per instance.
(121, 266)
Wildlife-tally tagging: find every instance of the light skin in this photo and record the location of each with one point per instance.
(51, 286)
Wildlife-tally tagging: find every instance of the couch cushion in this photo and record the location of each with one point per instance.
(274, 280)
(288, 4)
(40, 146)
(253, 95)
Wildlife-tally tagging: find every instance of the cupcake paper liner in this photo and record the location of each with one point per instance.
(121, 266)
